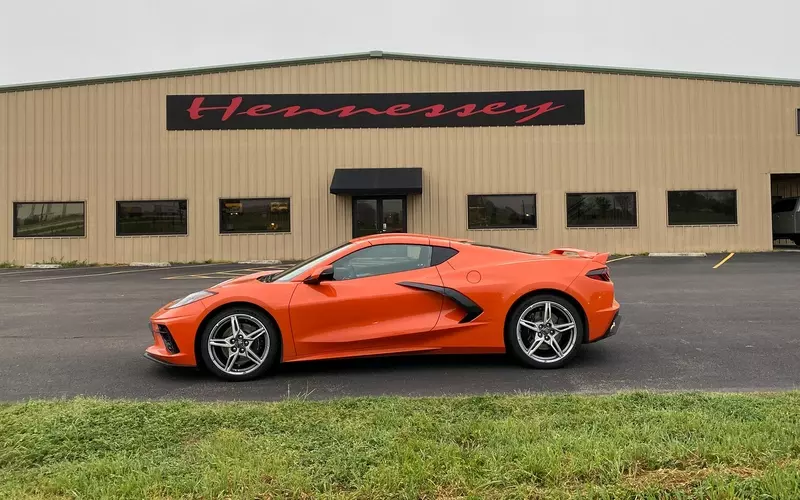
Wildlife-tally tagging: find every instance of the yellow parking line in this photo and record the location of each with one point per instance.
(724, 260)
(619, 258)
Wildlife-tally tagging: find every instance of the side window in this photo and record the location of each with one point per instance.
(381, 259)
(441, 255)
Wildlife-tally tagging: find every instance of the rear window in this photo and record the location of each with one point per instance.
(785, 205)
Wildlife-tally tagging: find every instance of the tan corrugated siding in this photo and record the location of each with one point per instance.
(108, 142)
(6, 137)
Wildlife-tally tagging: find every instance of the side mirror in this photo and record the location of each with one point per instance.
(320, 275)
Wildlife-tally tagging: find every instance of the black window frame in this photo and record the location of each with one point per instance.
(535, 225)
(168, 200)
(601, 226)
(15, 225)
(689, 224)
(221, 202)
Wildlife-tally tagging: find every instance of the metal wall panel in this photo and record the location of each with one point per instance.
(107, 142)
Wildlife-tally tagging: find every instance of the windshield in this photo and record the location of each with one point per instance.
(298, 269)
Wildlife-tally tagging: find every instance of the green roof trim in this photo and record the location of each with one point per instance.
(400, 57)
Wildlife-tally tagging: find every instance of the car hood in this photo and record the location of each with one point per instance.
(244, 279)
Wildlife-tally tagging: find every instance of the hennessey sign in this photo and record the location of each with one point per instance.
(313, 111)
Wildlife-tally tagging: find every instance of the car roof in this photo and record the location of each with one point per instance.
(406, 238)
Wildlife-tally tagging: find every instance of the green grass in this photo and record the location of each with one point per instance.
(622, 446)
(8, 265)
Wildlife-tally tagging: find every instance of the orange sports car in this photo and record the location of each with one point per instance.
(394, 294)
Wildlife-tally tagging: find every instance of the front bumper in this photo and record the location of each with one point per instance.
(162, 362)
(173, 333)
(613, 328)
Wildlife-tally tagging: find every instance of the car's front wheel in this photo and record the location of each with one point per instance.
(239, 344)
(545, 331)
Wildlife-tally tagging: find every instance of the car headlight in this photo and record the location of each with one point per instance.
(192, 298)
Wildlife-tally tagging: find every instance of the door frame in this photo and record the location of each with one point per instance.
(379, 199)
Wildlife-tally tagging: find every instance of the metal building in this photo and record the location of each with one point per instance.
(281, 160)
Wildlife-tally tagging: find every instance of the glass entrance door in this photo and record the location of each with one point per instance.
(379, 215)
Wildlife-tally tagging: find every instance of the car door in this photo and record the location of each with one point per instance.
(364, 307)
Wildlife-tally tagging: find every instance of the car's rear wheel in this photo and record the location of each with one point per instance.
(240, 344)
(545, 331)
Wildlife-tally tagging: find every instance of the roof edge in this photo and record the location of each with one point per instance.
(403, 57)
(611, 70)
(194, 71)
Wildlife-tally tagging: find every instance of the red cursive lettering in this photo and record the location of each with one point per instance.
(540, 110)
(346, 111)
(493, 108)
(397, 108)
(197, 109)
(257, 110)
(438, 110)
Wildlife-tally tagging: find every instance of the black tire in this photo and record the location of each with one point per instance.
(796, 240)
(271, 359)
(512, 342)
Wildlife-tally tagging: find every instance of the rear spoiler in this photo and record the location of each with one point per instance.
(600, 258)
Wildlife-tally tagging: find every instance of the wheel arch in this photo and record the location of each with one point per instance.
(550, 291)
(233, 305)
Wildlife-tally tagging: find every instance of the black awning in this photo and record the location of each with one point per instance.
(376, 181)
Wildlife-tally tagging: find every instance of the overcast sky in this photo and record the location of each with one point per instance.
(62, 39)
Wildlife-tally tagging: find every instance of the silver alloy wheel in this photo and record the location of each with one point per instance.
(547, 332)
(238, 344)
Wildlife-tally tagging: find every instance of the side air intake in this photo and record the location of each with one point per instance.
(472, 309)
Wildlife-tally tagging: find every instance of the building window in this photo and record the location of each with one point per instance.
(502, 211)
(56, 219)
(601, 209)
(254, 215)
(701, 207)
(151, 218)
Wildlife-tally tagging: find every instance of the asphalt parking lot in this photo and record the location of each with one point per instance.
(689, 325)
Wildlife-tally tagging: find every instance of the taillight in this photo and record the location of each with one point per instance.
(601, 274)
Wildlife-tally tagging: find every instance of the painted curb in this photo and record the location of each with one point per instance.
(260, 262)
(676, 254)
(149, 264)
(42, 266)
